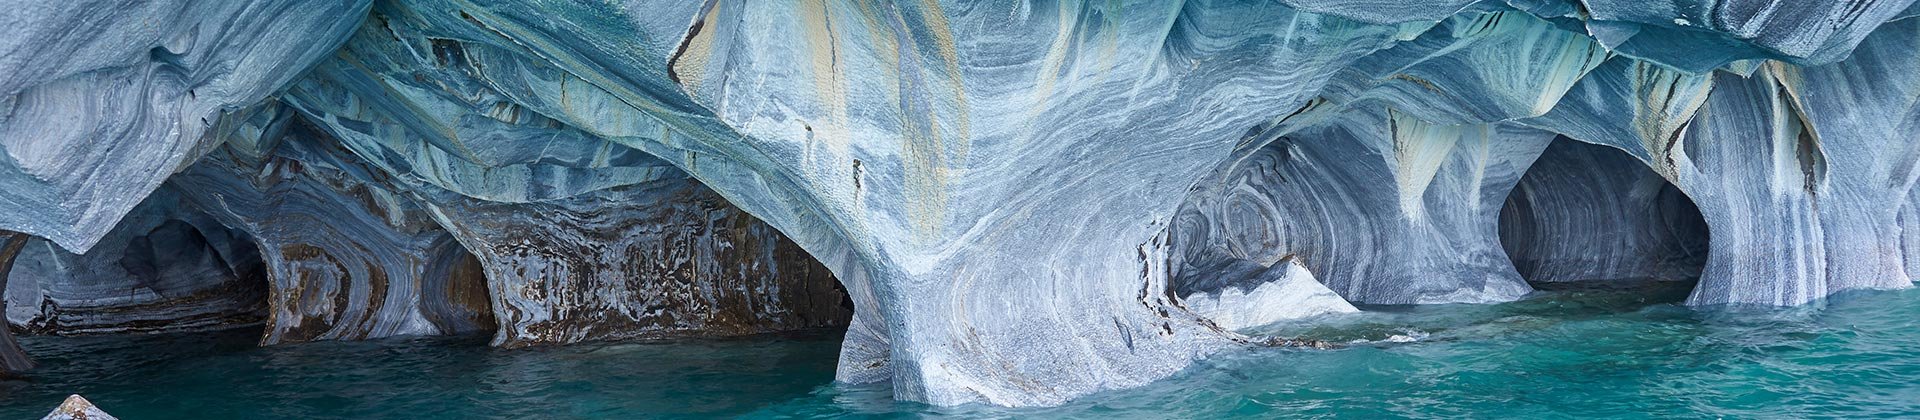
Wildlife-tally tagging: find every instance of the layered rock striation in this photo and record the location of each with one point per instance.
(1019, 203)
(1587, 212)
(167, 266)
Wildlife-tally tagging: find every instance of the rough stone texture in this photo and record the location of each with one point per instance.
(76, 408)
(347, 257)
(1590, 212)
(580, 238)
(100, 100)
(13, 359)
(668, 258)
(166, 267)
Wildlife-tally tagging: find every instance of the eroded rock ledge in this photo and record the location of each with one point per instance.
(1020, 203)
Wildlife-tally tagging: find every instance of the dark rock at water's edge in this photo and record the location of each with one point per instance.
(1009, 203)
(13, 360)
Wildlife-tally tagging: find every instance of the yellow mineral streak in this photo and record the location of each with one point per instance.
(1064, 28)
(823, 60)
(1419, 149)
(1666, 101)
(936, 20)
(691, 65)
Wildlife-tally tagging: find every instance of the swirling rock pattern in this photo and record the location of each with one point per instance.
(1015, 197)
(1590, 212)
(101, 100)
(166, 267)
(347, 257)
(1384, 209)
(1782, 162)
(580, 238)
(664, 259)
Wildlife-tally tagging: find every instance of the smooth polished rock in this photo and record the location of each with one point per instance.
(101, 100)
(167, 266)
(1380, 206)
(943, 151)
(347, 257)
(1248, 295)
(1590, 212)
(1009, 194)
(1797, 170)
(580, 238)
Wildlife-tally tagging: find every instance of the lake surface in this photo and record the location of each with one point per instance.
(1579, 352)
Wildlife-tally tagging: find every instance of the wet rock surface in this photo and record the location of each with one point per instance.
(1013, 200)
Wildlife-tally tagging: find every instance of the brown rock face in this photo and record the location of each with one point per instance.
(670, 258)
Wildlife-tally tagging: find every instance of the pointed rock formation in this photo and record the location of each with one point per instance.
(77, 408)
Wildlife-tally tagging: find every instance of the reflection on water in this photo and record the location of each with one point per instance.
(1573, 352)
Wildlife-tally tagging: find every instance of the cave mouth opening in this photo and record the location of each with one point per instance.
(1592, 220)
(766, 284)
(164, 268)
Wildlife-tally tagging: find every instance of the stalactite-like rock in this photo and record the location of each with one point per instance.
(1794, 168)
(1700, 35)
(13, 360)
(1692, 35)
(941, 155)
(1591, 212)
(101, 100)
(1382, 207)
(581, 238)
(1016, 198)
(347, 257)
(1477, 67)
(930, 158)
(166, 267)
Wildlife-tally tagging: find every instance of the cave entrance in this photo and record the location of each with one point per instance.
(166, 267)
(1586, 216)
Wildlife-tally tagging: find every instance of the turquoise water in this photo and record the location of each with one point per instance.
(1568, 353)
